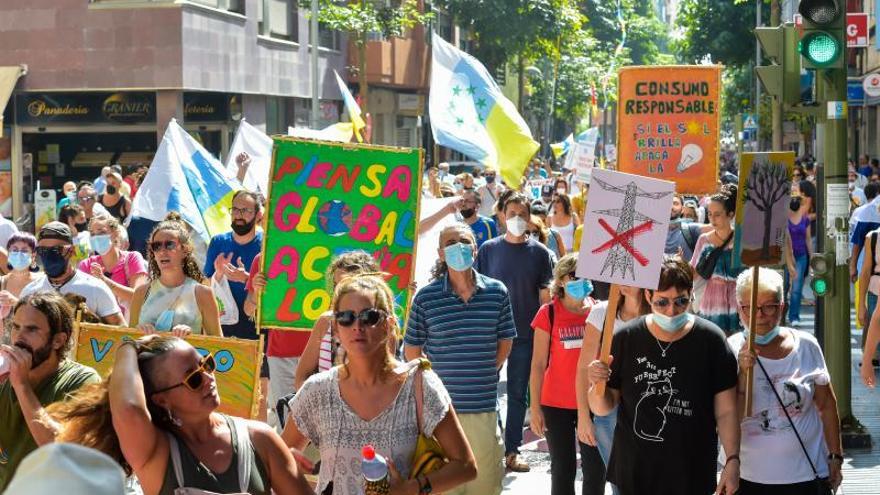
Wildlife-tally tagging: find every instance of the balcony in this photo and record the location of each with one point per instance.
(399, 63)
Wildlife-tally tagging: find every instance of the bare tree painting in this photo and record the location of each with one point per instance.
(766, 190)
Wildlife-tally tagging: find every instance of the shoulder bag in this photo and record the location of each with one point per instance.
(428, 456)
(706, 266)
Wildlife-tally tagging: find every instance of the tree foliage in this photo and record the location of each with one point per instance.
(718, 29)
(359, 18)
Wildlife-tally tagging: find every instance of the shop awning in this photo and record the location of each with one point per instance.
(8, 77)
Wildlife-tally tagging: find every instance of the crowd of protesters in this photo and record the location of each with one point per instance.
(504, 296)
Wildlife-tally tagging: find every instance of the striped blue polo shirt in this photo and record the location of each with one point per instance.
(461, 339)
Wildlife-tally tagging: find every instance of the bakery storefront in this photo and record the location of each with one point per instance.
(70, 136)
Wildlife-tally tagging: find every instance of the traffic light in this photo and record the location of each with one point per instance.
(822, 266)
(782, 79)
(824, 38)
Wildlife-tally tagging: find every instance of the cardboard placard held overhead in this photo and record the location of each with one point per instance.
(238, 362)
(668, 124)
(762, 207)
(326, 199)
(625, 229)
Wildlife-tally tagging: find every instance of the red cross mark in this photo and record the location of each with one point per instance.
(625, 239)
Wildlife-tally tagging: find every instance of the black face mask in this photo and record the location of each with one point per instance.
(111, 190)
(243, 228)
(794, 204)
(468, 212)
(81, 227)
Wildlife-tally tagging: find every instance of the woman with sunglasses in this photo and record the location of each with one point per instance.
(322, 350)
(792, 402)
(157, 417)
(559, 335)
(673, 379)
(370, 399)
(600, 432)
(122, 271)
(174, 299)
(718, 300)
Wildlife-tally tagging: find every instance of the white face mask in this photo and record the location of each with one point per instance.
(517, 226)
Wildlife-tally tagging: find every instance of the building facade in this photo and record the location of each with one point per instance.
(104, 77)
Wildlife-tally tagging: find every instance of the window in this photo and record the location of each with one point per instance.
(282, 21)
(236, 6)
(328, 38)
(230, 5)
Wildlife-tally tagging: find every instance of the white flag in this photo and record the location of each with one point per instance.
(258, 145)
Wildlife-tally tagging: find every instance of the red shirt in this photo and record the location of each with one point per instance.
(566, 339)
(282, 343)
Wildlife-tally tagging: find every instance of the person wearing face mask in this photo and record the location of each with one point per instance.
(463, 323)
(564, 220)
(673, 379)
(75, 218)
(55, 250)
(792, 399)
(484, 228)
(718, 270)
(489, 193)
(801, 249)
(559, 336)
(113, 200)
(525, 267)
(23, 271)
(122, 271)
(682, 236)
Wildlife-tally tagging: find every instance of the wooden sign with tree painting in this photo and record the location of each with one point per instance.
(627, 224)
(761, 223)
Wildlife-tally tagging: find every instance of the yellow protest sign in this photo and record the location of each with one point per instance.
(238, 362)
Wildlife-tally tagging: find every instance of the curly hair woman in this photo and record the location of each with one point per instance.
(157, 416)
(174, 299)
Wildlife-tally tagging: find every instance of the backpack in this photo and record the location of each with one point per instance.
(688, 236)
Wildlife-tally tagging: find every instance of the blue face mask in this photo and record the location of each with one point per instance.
(19, 260)
(671, 324)
(766, 338)
(579, 289)
(101, 244)
(459, 257)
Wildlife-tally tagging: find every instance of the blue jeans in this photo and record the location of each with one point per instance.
(605, 437)
(797, 288)
(519, 365)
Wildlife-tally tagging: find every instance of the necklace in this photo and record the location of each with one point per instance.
(663, 349)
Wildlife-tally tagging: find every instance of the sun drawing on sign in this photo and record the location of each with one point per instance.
(622, 253)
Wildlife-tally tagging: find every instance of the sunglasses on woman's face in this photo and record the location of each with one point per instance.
(367, 318)
(196, 377)
(157, 246)
(680, 302)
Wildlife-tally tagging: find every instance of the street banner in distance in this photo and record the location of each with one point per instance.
(762, 207)
(668, 124)
(238, 362)
(326, 199)
(627, 220)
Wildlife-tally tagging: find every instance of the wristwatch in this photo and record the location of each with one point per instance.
(424, 485)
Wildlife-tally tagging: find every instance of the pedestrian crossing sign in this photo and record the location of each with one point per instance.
(749, 122)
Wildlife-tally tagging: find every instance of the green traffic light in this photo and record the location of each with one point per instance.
(820, 48)
(820, 287)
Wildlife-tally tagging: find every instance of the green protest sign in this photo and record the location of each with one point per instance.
(326, 199)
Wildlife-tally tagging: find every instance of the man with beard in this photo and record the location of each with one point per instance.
(484, 228)
(35, 374)
(55, 250)
(683, 234)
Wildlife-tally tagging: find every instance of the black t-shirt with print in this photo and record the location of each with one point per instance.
(665, 441)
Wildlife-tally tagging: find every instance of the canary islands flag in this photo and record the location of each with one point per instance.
(562, 148)
(354, 111)
(185, 178)
(470, 114)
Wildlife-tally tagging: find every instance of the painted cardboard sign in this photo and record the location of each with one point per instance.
(326, 199)
(625, 229)
(762, 207)
(238, 362)
(668, 122)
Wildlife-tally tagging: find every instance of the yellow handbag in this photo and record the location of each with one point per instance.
(429, 455)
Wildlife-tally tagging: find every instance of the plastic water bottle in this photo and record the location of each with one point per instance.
(375, 471)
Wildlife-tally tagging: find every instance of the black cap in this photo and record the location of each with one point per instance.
(56, 230)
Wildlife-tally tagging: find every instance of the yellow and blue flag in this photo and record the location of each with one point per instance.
(354, 110)
(470, 114)
(562, 148)
(185, 178)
